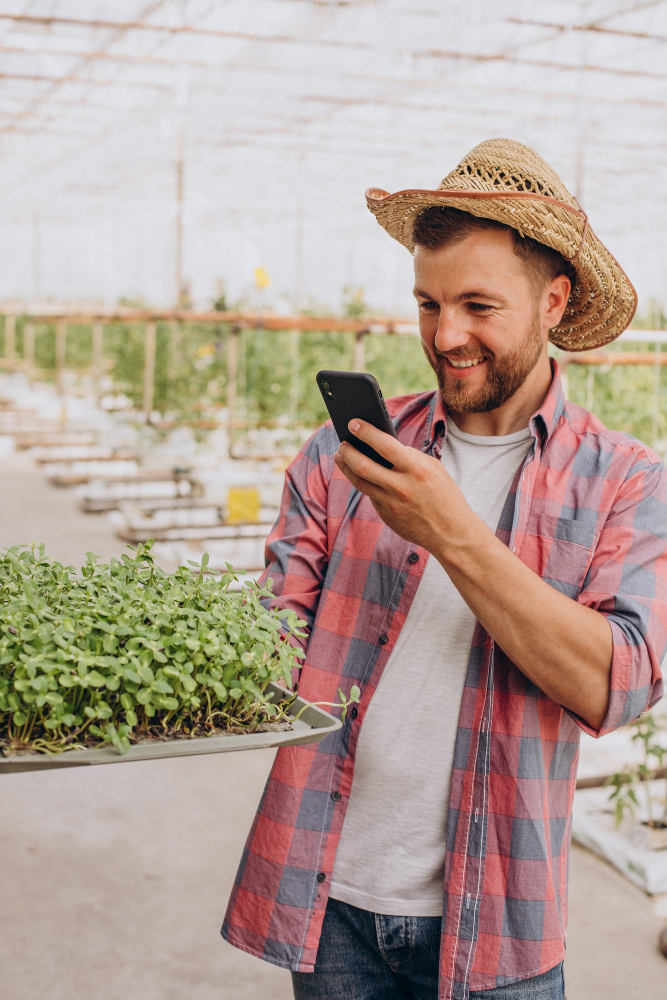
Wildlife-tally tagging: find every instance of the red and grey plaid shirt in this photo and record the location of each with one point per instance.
(588, 513)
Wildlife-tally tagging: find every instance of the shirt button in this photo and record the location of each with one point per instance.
(336, 796)
(354, 712)
(413, 557)
(321, 877)
(383, 639)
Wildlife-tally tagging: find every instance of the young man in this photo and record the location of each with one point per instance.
(500, 588)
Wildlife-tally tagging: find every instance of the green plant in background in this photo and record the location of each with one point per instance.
(276, 374)
(634, 780)
(126, 651)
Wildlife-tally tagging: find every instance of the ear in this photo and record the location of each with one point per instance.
(554, 300)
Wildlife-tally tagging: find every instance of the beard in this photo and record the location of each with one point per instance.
(505, 374)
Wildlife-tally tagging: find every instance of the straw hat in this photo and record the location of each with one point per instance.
(506, 181)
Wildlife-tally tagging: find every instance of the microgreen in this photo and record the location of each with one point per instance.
(125, 651)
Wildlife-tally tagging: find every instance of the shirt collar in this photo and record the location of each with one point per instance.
(542, 423)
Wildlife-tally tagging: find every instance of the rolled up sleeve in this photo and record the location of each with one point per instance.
(627, 583)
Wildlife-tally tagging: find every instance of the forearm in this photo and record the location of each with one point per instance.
(563, 647)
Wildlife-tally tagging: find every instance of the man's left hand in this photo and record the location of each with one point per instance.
(417, 499)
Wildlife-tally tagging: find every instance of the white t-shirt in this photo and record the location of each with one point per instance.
(391, 854)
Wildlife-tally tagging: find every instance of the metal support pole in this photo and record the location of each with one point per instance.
(10, 340)
(61, 350)
(232, 371)
(294, 342)
(359, 350)
(149, 368)
(657, 369)
(98, 344)
(29, 350)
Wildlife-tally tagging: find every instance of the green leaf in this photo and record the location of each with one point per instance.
(146, 674)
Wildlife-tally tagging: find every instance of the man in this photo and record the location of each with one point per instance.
(500, 588)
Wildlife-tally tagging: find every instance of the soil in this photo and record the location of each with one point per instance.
(155, 734)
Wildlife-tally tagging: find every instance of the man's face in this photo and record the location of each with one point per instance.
(481, 320)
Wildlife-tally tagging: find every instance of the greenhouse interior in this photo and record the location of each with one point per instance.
(184, 193)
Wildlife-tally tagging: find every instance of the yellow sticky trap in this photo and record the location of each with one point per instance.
(261, 278)
(242, 504)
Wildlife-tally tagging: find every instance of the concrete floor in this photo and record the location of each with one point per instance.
(115, 879)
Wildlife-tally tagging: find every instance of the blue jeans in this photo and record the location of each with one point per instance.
(369, 956)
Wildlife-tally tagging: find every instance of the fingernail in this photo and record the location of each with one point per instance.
(354, 425)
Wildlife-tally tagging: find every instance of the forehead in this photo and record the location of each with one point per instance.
(486, 256)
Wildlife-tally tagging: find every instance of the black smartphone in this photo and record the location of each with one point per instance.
(348, 395)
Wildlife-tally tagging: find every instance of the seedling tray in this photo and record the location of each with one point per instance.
(313, 725)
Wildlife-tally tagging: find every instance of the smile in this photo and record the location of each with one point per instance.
(464, 364)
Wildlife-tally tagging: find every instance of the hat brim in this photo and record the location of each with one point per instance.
(603, 301)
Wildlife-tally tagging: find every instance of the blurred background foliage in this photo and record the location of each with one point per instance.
(276, 369)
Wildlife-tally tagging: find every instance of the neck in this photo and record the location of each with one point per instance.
(515, 414)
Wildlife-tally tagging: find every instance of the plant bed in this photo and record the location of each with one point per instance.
(128, 662)
(56, 438)
(624, 820)
(106, 495)
(78, 473)
(81, 453)
(632, 847)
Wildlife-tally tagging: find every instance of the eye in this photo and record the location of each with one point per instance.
(428, 306)
(480, 307)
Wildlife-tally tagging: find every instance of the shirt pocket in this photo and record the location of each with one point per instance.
(559, 549)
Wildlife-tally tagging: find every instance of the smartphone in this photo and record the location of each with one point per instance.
(348, 395)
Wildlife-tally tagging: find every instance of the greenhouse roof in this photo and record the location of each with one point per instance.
(246, 134)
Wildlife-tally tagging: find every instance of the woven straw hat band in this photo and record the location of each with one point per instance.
(510, 183)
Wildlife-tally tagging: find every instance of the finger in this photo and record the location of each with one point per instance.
(365, 467)
(364, 486)
(383, 443)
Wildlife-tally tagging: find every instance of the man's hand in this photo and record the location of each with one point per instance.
(417, 499)
(562, 646)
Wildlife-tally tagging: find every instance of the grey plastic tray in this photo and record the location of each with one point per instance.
(313, 726)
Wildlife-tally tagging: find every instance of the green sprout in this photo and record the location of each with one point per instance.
(124, 652)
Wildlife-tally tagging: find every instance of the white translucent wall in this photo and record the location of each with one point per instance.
(281, 112)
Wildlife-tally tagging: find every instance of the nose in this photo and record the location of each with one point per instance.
(451, 332)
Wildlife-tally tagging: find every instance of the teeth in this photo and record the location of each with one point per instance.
(465, 364)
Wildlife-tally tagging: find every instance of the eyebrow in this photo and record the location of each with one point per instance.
(465, 297)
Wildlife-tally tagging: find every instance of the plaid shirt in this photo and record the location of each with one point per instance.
(588, 513)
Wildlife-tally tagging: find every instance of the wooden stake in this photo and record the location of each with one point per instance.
(61, 350)
(10, 339)
(295, 336)
(359, 350)
(149, 368)
(98, 344)
(232, 369)
(29, 350)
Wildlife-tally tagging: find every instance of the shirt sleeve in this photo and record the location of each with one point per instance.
(627, 583)
(297, 548)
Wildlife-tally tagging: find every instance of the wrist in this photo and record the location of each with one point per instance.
(466, 537)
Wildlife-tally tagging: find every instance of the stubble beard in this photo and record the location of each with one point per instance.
(504, 375)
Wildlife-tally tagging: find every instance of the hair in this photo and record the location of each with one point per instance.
(438, 227)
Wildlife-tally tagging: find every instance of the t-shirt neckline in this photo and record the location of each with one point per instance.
(488, 440)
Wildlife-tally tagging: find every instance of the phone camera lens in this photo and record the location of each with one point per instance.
(325, 385)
